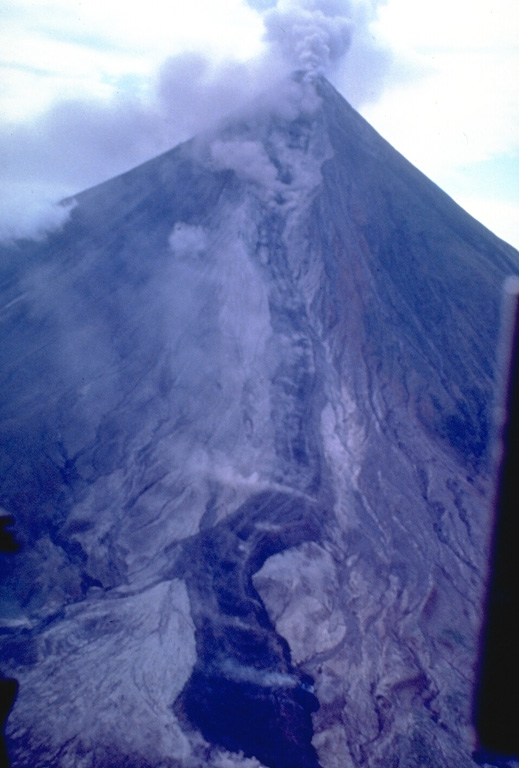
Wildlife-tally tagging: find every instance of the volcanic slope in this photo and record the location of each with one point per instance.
(245, 399)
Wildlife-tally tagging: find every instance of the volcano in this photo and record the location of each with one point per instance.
(246, 401)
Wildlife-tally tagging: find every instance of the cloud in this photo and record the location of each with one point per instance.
(499, 216)
(464, 112)
(80, 142)
(193, 93)
(131, 114)
(76, 145)
(63, 47)
(28, 212)
(446, 25)
(236, 760)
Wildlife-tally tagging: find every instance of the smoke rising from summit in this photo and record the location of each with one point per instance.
(91, 95)
(313, 35)
(79, 143)
(307, 37)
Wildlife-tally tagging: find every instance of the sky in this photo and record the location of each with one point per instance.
(91, 88)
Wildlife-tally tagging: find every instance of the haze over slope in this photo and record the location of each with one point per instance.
(245, 406)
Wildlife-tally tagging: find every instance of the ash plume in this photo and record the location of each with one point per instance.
(79, 143)
(314, 35)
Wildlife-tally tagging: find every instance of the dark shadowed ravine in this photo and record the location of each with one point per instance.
(244, 692)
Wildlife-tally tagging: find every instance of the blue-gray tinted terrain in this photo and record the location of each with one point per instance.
(246, 397)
